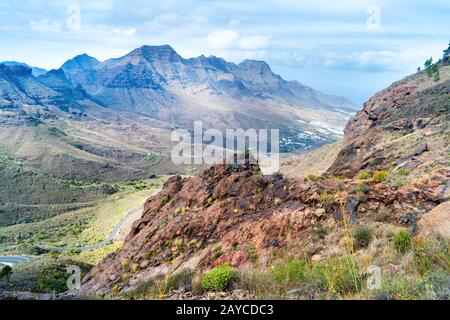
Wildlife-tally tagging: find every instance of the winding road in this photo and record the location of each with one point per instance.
(13, 261)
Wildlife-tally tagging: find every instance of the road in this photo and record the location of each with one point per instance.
(108, 239)
(13, 261)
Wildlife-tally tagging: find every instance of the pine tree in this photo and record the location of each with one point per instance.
(446, 55)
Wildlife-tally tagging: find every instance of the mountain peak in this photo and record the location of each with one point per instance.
(34, 70)
(261, 65)
(17, 70)
(81, 61)
(153, 53)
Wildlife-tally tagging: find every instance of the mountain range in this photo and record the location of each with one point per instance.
(156, 82)
(112, 121)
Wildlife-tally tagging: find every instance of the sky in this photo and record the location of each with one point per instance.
(351, 48)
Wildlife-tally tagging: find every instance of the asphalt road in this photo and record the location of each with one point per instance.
(108, 239)
(13, 261)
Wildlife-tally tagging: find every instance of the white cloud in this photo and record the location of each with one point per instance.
(124, 31)
(45, 25)
(222, 39)
(230, 39)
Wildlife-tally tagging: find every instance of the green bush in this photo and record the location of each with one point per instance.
(430, 255)
(402, 240)
(363, 236)
(397, 184)
(165, 199)
(290, 271)
(362, 187)
(403, 172)
(326, 198)
(218, 278)
(363, 176)
(380, 176)
(338, 276)
(312, 177)
(5, 272)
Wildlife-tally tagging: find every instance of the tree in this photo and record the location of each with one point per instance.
(418, 69)
(437, 76)
(446, 55)
(6, 272)
(428, 63)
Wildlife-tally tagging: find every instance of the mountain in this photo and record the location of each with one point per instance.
(289, 237)
(112, 121)
(36, 71)
(155, 81)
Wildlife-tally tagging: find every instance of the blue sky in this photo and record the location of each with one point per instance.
(348, 47)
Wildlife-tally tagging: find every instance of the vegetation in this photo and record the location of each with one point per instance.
(402, 240)
(312, 177)
(326, 198)
(362, 187)
(403, 172)
(218, 278)
(5, 272)
(363, 236)
(47, 274)
(165, 199)
(363, 176)
(380, 176)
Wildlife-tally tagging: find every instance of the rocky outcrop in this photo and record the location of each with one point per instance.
(437, 221)
(398, 125)
(230, 213)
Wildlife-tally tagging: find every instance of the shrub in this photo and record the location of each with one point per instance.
(181, 280)
(144, 290)
(403, 172)
(362, 187)
(397, 184)
(380, 176)
(165, 199)
(290, 271)
(430, 255)
(312, 177)
(52, 278)
(326, 198)
(217, 251)
(338, 276)
(278, 201)
(218, 278)
(321, 232)
(363, 236)
(5, 272)
(402, 240)
(363, 176)
(251, 253)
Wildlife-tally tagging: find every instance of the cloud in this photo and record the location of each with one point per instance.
(230, 39)
(124, 31)
(364, 61)
(46, 25)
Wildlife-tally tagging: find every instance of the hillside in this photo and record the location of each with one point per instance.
(306, 238)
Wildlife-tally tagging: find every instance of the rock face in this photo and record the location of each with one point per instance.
(437, 221)
(398, 126)
(230, 213)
